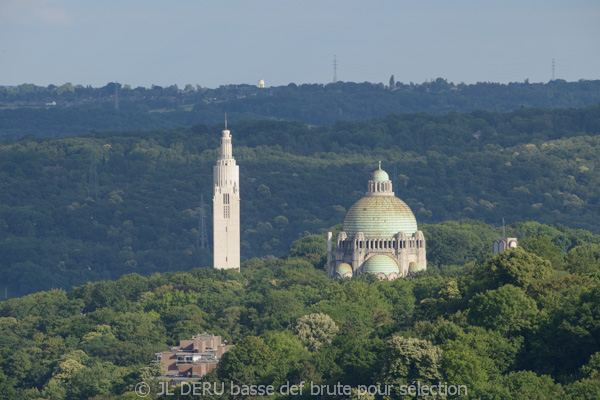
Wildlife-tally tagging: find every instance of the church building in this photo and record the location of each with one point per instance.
(226, 207)
(379, 236)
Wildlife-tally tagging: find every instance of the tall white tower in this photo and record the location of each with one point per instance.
(226, 207)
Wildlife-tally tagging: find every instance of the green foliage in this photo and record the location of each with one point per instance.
(467, 356)
(584, 259)
(508, 326)
(81, 109)
(507, 310)
(313, 248)
(584, 389)
(359, 359)
(409, 359)
(316, 330)
(524, 385)
(248, 363)
(515, 267)
(137, 327)
(98, 340)
(288, 354)
(456, 243)
(57, 232)
(592, 368)
(571, 330)
(93, 381)
(280, 308)
(543, 247)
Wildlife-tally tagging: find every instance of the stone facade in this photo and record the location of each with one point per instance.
(380, 236)
(501, 244)
(226, 208)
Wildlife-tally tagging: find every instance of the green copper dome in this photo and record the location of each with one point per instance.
(380, 217)
(415, 267)
(343, 269)
(380, 175)
(380, 263)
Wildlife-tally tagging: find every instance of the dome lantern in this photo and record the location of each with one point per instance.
(380, 183)
(380, 213)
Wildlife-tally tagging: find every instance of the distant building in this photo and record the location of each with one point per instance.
(261, 83)
(193, 358)
(226, 207)
(379, 237)
(501, 244)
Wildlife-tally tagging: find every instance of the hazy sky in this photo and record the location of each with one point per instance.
(215, 42)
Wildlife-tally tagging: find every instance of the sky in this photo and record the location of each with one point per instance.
(218, 42)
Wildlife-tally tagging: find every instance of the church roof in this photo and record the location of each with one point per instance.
(380, 263)
(344, 268)
(380, 217)
(380, 175)
(415, 267)
(380, 214)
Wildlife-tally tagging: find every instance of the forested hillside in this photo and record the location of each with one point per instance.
(100, 205)
(72, 109)
(524, 324)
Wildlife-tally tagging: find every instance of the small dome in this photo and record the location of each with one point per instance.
(415, 267)
(343, 269)
(380, 263)
(380, 175)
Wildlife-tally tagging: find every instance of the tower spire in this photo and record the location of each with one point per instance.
(226, 207)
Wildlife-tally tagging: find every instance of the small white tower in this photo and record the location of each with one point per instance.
(226, 207)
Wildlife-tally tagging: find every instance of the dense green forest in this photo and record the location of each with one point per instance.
(72, 109)
(100, 205)
(523, 324)
(115, 213)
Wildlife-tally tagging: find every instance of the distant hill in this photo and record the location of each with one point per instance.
(58, 230)
(68, 109)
